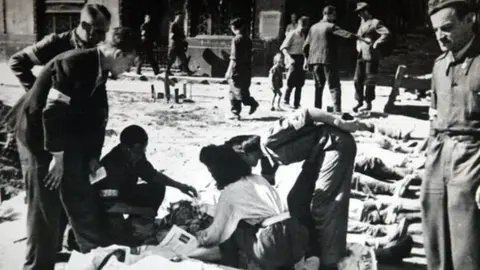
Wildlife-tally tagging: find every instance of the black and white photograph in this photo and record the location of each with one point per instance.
(197, 135)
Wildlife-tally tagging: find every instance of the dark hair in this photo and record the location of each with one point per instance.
(132, 135)
(244, 143)
(328, 10)
(304, 20)
(123, 38)
(238, 23)
(94, 10)
(225, 165)
(462, 9)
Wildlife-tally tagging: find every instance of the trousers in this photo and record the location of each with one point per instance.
(320, 195)
(323, 73)
(450, 215)
(295, 79)
(365, 79)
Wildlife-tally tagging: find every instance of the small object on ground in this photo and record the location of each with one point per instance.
(160, 95)
(177, 98)
(206, 82)
(154, 96)
(20, 240)
(187, 100)
(176, 259)
(272, 109)
(347, 117)
(143, 78)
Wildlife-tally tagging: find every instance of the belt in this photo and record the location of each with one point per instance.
(275, 219)
(108, 193)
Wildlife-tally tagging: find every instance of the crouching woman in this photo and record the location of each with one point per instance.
(250, 216)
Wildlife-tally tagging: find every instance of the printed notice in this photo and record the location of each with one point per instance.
(269, 27)
(179, 241)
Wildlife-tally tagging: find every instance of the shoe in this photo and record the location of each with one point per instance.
(233, 116)
(367, 107)
(272, 109)
(297, 107)
(396, 251)
(253, 108)
(357, 107)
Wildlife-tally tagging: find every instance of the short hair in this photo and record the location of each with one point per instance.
(132, 135)
(329, 10)
(237, 23)
(97, 10)
(277, 59)
(303, 20)
(245, 143)
(225, 165)
(462, 9)
(122, 38)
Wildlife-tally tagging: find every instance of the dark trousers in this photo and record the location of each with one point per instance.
(177, 51)
(320, 195)
(295, 79)
(148, 195)
(147, 50)
(240, 93)
(451, 219)
(322, 73)
(43, 211)
(365, 80)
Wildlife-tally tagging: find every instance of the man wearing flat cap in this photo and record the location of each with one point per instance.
(450, 193)
(368, 56)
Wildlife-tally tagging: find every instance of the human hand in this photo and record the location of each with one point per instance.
(477, 197)
(93, 166)
(55, 175)
(228, 75)
(189, 190)
(305, 66)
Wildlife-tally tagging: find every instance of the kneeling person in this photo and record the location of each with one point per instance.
(124, 164)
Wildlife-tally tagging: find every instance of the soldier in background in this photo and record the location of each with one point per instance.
(450, 194)
(292, 25)
(178, 45)
(148, 33)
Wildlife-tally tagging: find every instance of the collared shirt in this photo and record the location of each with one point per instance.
(456, 91)
(294, 42)
(453, 57)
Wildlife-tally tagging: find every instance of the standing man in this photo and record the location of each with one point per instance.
(148, 34)
(292, 48)
(368, 57)
(321, 55)
(60, 128)
(178, 45)
(451, 186)
(94, 24)
(292, 25)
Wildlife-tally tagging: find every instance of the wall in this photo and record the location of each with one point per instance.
(114, 8)
(18, 27)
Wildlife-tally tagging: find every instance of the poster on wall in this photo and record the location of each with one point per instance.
(269, 26)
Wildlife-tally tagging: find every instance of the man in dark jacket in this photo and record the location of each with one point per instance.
(94, 24)
(148, 32)
(178, 45)
(60, 127)
(368, 57)
(321, 52)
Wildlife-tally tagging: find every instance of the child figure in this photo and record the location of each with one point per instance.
(276, 79)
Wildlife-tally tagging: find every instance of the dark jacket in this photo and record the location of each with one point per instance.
(40, 53)
(43, 122)
(456, 92)
(374, 30)
(321, 43)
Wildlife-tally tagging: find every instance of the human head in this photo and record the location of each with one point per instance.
(330, 13)
(363, 10)
(120, 49)
(293, 18)
(147, 17)
(248, 147)
(278, 59)
(453, 25)
(94, 23)
(237, 25)
(225, 165)
(134, 139)
(303, 23)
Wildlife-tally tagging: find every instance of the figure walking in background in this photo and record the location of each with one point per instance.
(148, 34)
(178, 45)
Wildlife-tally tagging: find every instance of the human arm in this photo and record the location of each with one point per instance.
(22, 62)
(149, 174)
(233, 58)
(224, 224)
(383, 32)
(317, 115)
(99, 110)
(285, 46)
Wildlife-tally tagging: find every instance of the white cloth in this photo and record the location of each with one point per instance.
(251, 199)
